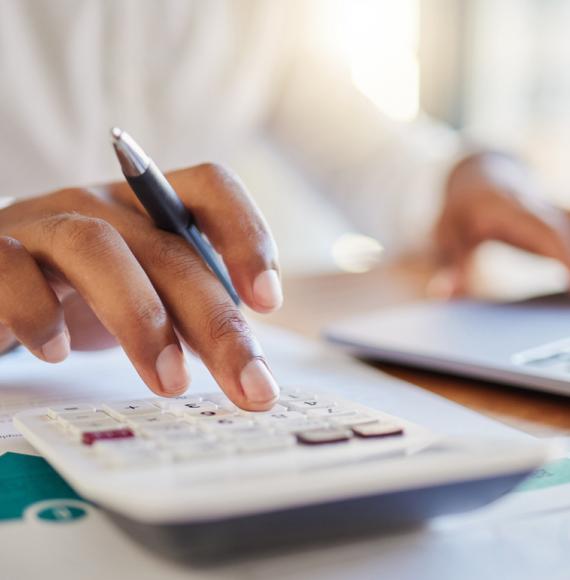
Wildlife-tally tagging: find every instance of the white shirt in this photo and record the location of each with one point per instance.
(221, 80)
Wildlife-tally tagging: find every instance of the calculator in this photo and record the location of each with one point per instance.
(195, 477)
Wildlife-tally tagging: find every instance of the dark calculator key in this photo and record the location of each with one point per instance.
(377, 429)
(323, 436)
(90, 437)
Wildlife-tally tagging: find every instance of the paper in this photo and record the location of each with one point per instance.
(26, 480)
(70, 539)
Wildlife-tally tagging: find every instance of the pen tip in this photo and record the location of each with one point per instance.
(116, 133)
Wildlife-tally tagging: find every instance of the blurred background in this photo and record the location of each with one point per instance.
(497, 71)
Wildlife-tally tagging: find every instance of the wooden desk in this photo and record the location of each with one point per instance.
(313, 301)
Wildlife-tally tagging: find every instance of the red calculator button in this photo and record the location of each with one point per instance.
(90, 437)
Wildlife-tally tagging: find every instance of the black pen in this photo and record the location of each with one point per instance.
(163, 204)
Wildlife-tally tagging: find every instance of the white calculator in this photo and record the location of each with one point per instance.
(196, 477)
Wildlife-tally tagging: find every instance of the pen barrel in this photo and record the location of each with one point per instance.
(208, 254)
(169, 213)
(160, 200)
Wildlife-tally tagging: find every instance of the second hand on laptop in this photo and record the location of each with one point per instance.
(163, 204)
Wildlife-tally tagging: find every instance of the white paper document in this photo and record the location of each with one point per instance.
(492, 544)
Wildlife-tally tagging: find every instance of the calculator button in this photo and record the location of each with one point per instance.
(55, 411)
(75, 416)
(89, 437)
(280, 424)
(164, 439)
(198, 450)
(324, 436)
(128, 408)
(265, 444)
(161, 429)
(276, 409)
(229, 422)
(202, 417)
(377, 429)
(289, 395)
(279, 417)
(241, 433)
(306, 404)
(103, 447)
(92, 425)
(327, 411)
(175, 401)
(118, 457)
(202, 408)
(294, 426)
(144, 420)
(349, 419)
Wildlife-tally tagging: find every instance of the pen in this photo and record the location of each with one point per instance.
(163, 204)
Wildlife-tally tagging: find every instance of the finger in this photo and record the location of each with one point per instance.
(29, 308)
(97, 262)
(547, 236)
(7, 339)
(227, 214)
(206, 318)
(85, 329)
(459, 278)
(451, 281)
(455, 253)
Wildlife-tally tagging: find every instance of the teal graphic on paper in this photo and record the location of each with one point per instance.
(550, 475)
(25, 480)
(61, 512)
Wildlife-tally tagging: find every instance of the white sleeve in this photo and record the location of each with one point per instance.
(386, 177)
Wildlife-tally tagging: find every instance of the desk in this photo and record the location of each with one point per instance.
(313, 301)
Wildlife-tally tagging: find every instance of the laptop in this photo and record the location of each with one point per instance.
(524, 343)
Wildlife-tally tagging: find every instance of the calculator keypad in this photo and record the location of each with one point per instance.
(201, 427)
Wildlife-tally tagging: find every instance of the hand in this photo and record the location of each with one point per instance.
(87, 268)
(492, 196)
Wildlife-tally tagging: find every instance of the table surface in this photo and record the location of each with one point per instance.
(313, 301)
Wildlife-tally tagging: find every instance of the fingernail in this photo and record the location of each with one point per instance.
(267, 289)
(56, 349)
(171, 369)
(258, 383)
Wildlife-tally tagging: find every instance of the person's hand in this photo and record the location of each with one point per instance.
(492, 196)
(87, 268)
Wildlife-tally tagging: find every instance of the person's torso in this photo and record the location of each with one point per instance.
(187, 78)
